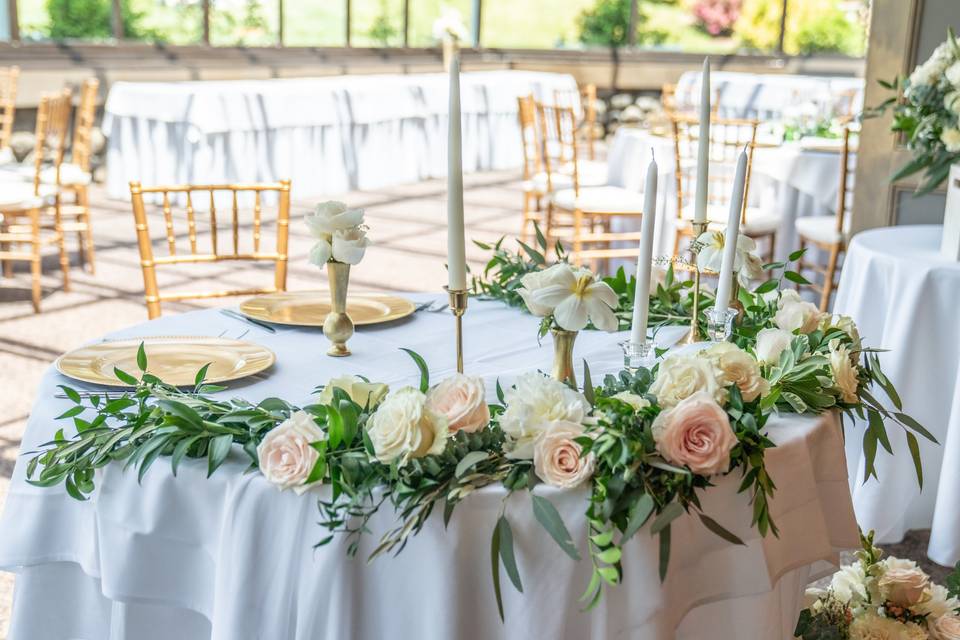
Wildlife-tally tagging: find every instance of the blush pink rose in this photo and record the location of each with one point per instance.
(462, 399)
(285, 455)
(558, 459)
(903, 586)
(946, 628)
(697, 434)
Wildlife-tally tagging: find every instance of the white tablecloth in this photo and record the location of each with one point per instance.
(792, 179)
(230, 558)
(770, 96)
(328, 135)
(905, 297)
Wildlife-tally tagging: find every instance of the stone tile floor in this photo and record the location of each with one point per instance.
(406, 225)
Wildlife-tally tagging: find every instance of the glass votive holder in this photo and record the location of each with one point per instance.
(720, 324)
(637, 355)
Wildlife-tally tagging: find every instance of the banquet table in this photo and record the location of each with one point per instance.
(231, 557)
(795, 178)
(905, 296)
(328, 135)
(769, 96)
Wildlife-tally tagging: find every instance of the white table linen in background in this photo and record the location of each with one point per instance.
(790, 179)
(328, 135)
(905, 297)
(231, 558)
(769, 96)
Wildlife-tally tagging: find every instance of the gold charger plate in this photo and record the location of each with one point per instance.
(173, 359)
(310, 308)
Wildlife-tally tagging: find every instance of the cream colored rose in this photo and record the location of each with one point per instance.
(870, 626)
(349, 245)
(939, 603)
(462, 400)
(951, 139)
(403, 427)
(794, 313)
(903, 586)
(771, 343)
(557, 458)
(533, 404)
(849, 584)
(285, 455)
(332, 216)
(738, 367)
(636, 401)
(844, 371)
(945, 628)
(697, 434)
(359, 390)
(680, 377)
(339, 232)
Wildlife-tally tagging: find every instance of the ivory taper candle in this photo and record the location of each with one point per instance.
(703, 146)
(456, 251)
(641, 298)
(732, 234)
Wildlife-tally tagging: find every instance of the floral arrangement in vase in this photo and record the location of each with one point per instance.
(341, 242)
(926, 112)
(882, 599)
(450, 31)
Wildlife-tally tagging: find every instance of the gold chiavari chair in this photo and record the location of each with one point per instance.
(75, 176)
(212, 196)
(590, 210)
(586, 98)
(9, 77)
(534, 178)
(728, 137)
(829, 233)
(26, 206)
(668, 100)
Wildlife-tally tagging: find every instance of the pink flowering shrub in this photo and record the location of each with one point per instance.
(717, 17)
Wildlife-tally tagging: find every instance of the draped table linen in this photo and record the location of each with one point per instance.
(328, 135)
(231, 557)
(905, 296)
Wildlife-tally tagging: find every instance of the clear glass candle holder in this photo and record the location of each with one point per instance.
(637, 355)
(720, 324)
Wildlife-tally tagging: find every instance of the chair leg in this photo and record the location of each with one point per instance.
(828, 278)
(62, 245)
(526, 216)
(90, 250)
(36, 260)
(548, 224)
(577, 242)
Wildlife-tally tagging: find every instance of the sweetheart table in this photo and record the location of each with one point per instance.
(904, 295)
(231, 558)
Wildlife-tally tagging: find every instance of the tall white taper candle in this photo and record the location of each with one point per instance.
(732, 234)
(456, 252)
(641, 298)
(703, 146)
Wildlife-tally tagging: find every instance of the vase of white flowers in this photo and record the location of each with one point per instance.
(450, 30)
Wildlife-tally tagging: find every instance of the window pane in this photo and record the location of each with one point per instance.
(826, 26)
(170, 21)
(535, 24)
(423, 13)
(315, 24)
(243, 22)
(376, 23)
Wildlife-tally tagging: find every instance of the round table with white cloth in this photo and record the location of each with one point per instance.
(795, 179)
(905, 296)
(328, 135)
(231, 557)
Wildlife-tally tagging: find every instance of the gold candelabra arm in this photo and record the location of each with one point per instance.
(458, 305)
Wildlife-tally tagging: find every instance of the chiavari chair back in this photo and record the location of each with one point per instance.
(583, 101)
(830, 234)
(82, 147)
(9, 78)
(534, 187)
(668, 98)
(205, 199)
(53, 123)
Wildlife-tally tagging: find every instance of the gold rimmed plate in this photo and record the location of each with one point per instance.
(310, 308)
(173, 359)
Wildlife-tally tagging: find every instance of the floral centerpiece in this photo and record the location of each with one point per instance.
(341, 242)
(882, 599)
(450, 31)
(926, 112)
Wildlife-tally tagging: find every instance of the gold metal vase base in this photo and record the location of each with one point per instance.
(694, 335)
(338, 327)
(563, 356)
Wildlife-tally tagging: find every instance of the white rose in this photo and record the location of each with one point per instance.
(533, 403)
(680, 377)
(359, 390)
(321, 253)
(349, 245)
(403, 427)
(558, 460)
(951, 139)
(771, 343)
(285, 455)
(945, 628)
(739, 368)
(849, 585)
(332, 216)
(636, 401)
(938, 603)
(953, 74)
(845, 374)
(792, 316)
(537, 280)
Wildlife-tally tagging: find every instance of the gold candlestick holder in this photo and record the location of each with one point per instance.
(694, 335)
(458, 305)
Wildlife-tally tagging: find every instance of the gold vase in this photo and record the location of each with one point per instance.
(338, 327)
(563, 356)
(450, 49)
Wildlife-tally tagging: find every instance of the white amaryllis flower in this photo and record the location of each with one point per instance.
(340, 234)
(450, 25)
(746, 263)
(574, 297)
